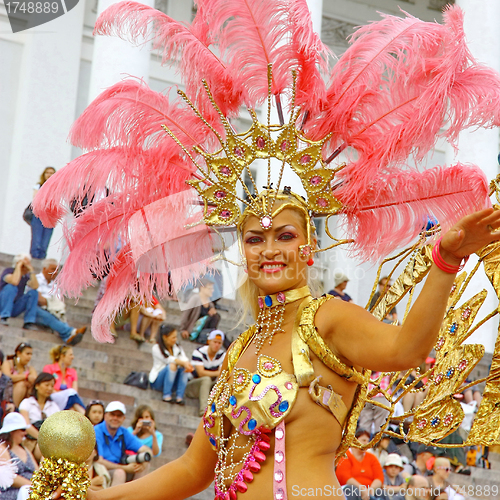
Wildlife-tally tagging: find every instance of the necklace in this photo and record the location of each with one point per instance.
(271, 313)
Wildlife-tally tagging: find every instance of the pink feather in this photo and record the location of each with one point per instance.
(186, 46)
(393, 211)
(250, 35)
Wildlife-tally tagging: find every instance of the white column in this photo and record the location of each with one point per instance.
(115, 59)
(481, 147)
(44, 111)
(316, 8)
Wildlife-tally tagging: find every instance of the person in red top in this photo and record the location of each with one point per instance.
(66, 385)
(360, 473)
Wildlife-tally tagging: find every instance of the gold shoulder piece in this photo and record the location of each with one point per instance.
(309, 334)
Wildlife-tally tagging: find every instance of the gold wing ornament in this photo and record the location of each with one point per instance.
(439, 414)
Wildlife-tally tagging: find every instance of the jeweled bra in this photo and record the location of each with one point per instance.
(256, 403)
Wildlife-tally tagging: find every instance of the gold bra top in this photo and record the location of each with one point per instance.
(262, 399)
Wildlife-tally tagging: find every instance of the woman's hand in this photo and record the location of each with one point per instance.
(470, 234)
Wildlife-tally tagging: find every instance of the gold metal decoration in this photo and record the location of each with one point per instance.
(66, 440)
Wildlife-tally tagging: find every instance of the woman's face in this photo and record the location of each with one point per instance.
(48, 172)
(96, 414)
(442, 468)
(67, 357)
(25, 356)
(146, 415)
(364, 439)
(171, 339)
(45, 389)
(18, 436)
(272, 255)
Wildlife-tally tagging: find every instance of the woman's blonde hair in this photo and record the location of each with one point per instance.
(58, 351)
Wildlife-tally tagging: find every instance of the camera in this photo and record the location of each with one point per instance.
(145, 456)
(146, 423)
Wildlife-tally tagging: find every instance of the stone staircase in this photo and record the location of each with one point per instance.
(103, 367)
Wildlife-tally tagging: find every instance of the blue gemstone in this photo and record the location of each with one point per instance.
(283, 406)
(252, 424)
(434, 421)
(213, 442)
(256, 379)
(232, 401)
(268, 301)
(213, 408)
(453, 328)
(449, 373)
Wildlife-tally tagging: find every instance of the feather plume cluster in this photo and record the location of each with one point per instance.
(402, 84)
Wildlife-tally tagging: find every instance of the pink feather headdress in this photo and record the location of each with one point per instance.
(400, 86)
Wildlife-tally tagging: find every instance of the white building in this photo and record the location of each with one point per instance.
(51, 72)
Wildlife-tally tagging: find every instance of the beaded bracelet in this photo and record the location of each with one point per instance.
(444, 266)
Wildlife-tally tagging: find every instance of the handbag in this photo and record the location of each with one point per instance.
(137, 379)
(198, 327)
(28, 214)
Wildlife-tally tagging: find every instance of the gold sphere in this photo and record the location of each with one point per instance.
(68, 435)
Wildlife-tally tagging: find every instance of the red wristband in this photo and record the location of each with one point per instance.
(444, 266)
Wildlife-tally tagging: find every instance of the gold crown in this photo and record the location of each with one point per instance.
(226, 166)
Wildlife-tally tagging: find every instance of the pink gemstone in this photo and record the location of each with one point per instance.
(438, 378)
(448, 419)
(322, 202)
(247, 476)
(259, 456)
(279, 456)
(284, 146)
(220, 194)
(260, 302)
(315, 180)
(268, 365)
(238, 152)
(306, 251)
(278, 476)
(422, 423)
(462, 365)
(265, 437)
(241, 486)
(266, 222)
(225, 170)
(466, 313)
(233, 495)
(279, 434)
(227, 496)
(280, 297)
(263, 445)
(289, 385)
(225, 214)
(254, 466)
(305, 159)
(280, 494)
(260, 142)
(439, 343)
(240, 379)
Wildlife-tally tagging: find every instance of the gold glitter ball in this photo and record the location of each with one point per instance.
(67, 435)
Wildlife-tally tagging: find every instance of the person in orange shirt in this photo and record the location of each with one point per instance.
(360, 474)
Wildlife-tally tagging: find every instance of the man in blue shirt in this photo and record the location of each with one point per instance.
(112, 442)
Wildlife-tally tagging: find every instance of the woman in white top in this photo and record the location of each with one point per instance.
(171, 366)
(39, 406)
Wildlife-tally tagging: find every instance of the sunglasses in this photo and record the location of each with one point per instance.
(96, 402)
(447, 469)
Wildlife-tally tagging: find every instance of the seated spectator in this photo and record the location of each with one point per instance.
(51, 309)
(200, 306)
(340, 284)
(419, 465)
(394, 482)
(360, 471)
(39, 406)
(144, 427)
(17, 367)
(372, 416)
(438, 494)
(439, 479)
(170, 366)
(112, 442)
(380, 450)
(151, 316)
(418, 488)
(129, 314)
(383, 285)
(6, 393)
(207, 361)
(13, 433)
(14, 299)
(95, 412)
(66, 385)
(98, 474)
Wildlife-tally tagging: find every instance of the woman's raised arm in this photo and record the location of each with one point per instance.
(361, 340)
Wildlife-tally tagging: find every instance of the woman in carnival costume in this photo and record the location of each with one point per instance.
(300, 374)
